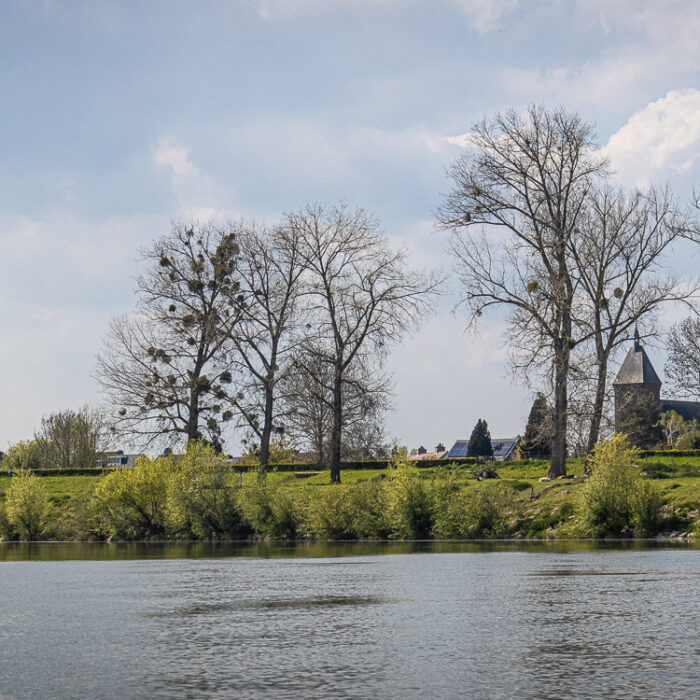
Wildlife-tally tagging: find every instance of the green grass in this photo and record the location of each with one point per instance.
(60, 489)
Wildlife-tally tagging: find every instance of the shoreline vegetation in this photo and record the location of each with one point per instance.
(196, 496)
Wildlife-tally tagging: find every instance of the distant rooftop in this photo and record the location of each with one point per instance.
(502, 447)
(637, 367)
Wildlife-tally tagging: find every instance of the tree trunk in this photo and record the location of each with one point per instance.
(193, 419)
(596, 419)
(267, 429)
(557, 466)
(336, 432)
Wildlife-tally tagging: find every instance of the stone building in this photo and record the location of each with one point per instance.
(637, 378)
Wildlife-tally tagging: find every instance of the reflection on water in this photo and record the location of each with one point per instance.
(492, 620)
(103, 551)
(299, 604)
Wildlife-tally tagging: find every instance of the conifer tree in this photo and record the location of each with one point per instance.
(537, 442)
(480, 441)
(643, 427)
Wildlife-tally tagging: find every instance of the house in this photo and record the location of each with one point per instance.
(637, 378)
(504, 449)
(421, 453)
(116, 458)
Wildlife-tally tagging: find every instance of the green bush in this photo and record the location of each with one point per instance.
(200, 494)
(330, 512)
(26, 454)
(26, 505)
(409, 501)
(368, 505)
(478, 513)
(5, 527)
(267, 509)
(448, 513)
(616, 499)
(131, 503)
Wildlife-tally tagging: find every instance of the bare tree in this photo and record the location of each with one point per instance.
(617, 249)
(362, 295)
(72, 438)
(269, 270)
(166, 370)
(683, 364)
(308, 392)
(528, 176)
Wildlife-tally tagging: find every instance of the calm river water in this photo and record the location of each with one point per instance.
(430, 620)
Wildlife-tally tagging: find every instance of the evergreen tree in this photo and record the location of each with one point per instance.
(480, 441)
(643, 427)
(537, 442)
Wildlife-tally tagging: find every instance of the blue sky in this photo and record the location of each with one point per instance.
(118, 117)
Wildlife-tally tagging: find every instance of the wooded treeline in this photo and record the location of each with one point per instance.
(540, 229)
(280, 331)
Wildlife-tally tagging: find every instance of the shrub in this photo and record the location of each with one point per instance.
(26, 454)
(368, 507)
(616, 499)
(689, 441)
(330, 512)
(408, 501)
(448, 514)
(268, 510)
(26, 504)
(471, 513)
(131, 503)
(200, 494)
(5, 527)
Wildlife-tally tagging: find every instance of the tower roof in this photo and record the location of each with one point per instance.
(637, 367)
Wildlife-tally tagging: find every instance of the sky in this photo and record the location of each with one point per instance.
(120, 117)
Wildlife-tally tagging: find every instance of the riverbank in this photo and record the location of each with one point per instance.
(435, 502)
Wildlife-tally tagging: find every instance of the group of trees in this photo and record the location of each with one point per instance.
(280, 331)
(65, 439)
(539, 229)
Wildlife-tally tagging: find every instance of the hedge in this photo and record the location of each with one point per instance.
(72, 471)
(285, 467)
(669, 453)
(358, 465)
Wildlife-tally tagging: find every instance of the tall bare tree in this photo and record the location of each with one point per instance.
(683, 364)
(270, 274)
(166, 370)
(361, 293)
(618, 249)
(529, 176)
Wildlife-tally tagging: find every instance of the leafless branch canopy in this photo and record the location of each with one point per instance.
(166, 370)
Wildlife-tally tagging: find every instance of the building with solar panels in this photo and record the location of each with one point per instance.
(504, 449)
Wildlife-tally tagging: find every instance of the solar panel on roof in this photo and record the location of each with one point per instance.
(459, 449)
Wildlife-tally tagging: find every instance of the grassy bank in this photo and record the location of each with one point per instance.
(390, 503)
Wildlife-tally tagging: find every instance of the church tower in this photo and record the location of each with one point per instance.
(636, 378)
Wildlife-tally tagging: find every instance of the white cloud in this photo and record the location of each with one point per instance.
(661, 138)
(643, 45)
(461, 140)
(197, 195)
(485, 14)
(174, 157)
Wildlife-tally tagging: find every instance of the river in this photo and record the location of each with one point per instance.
(432, 620)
